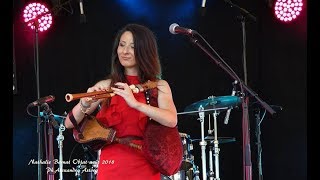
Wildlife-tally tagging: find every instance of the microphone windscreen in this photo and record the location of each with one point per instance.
(172, 27)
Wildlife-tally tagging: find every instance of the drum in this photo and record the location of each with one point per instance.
(187, 160)
(180, 175)
(187, 165)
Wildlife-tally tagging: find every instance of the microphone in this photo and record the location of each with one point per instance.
(50, 115)
(82, 15)
(226, 118)
(176, 29)
(203, 8)
(46, 99)
(203, 3)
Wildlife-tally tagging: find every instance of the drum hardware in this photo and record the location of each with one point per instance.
(78, 171)
(190, 174)
(187, 159)
(87, 169)
(233, 93)
(81, 175)
(215, 105)
(212, 103)
(196, 173)
(188, 170)
(221, 140)
(202, 143)
(210, 131)
(193, 173)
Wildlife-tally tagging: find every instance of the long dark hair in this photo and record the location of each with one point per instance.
(146, 55)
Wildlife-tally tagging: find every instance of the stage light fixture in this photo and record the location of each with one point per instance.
(287, 10)
(37, 15)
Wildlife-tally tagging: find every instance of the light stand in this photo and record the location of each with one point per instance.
(39, 122)
(34, 15)
(34, 22)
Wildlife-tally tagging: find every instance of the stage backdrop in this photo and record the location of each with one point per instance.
(72, 56)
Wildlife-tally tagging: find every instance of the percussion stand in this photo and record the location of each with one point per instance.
(216, 151)
(202, 143)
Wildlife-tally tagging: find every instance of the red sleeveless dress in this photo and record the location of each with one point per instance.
(118, 161)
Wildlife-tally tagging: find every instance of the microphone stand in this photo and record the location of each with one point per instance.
(50, 166)
(245, 129)
(259, 147)
(247, 165)
(60, 139)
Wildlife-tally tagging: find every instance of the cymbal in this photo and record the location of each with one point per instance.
(213, 103)
(221, 140)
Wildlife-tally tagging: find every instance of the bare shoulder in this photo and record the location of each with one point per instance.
(164, 86)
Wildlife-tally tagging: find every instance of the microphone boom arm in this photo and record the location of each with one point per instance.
(243, 85)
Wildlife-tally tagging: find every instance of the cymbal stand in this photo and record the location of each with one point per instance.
(216, 150)
(210, 131)
(202, 143)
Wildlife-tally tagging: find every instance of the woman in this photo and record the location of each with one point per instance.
(135, 60)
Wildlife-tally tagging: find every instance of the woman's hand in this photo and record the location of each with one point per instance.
(125, 91)
(87, 101)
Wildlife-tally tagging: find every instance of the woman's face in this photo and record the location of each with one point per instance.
(126, 50)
